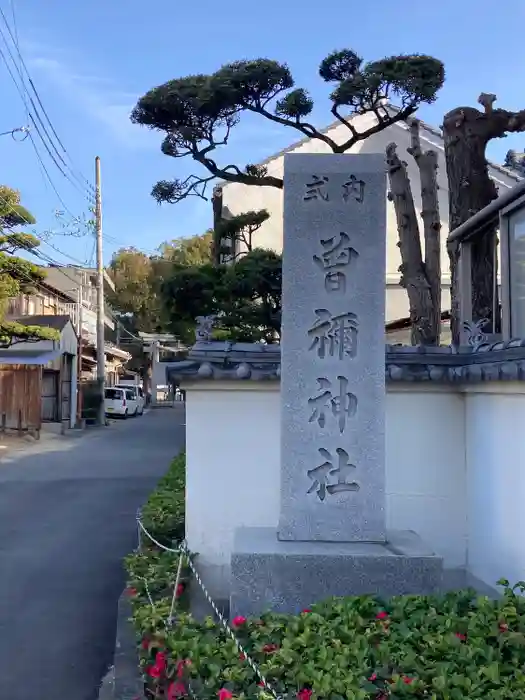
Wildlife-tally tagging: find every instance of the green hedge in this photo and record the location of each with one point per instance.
(453, 647)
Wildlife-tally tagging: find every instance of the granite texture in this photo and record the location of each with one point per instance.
(332, 360)
(268, 574)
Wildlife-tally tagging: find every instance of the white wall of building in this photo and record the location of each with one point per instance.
(238, 198)
(495, 456)
(455, 471)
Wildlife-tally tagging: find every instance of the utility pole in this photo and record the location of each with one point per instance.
(101, 358)
(80, 322)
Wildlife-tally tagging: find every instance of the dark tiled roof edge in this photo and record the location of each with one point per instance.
(503, 360)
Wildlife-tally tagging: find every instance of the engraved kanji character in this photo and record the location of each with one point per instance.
(354, 188)
(321, 475)
(334, 333)
(342, 405)
(316, 189)
(336, 257)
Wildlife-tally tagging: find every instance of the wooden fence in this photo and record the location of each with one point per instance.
(20, 398)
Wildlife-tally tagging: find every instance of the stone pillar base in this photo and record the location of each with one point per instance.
(289, 576)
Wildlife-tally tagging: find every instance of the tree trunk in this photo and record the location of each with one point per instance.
(427, 162)
(413, 276)
(466, 133)
(217, 218)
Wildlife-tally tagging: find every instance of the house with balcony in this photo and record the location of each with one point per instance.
(65, 301)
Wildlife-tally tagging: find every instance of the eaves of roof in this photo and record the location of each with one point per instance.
(392, 108)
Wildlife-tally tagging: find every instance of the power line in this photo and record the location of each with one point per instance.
(83, 181)
(24, 94)
(39, 157)
(22, 129)
(38, 254)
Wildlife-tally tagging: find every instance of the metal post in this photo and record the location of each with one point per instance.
(101, 358)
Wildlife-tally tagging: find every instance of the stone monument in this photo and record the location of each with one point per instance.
(331, 538)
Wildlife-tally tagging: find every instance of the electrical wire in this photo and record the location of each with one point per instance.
(80, 178)
(39, 254)
(22, 129)
(39, 157)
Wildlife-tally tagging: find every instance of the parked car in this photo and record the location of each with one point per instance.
(138, 395)
(120, 402)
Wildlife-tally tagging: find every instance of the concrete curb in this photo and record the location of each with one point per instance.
(123, 680)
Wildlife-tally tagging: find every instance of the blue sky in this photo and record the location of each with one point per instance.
(90, 61)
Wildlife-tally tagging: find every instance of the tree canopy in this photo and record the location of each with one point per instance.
(197, 113)
(138, 278)
(17, 275)
(245, 298)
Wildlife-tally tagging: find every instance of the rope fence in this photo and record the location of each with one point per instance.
(184, 554)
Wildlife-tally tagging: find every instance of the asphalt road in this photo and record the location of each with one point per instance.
(67, 518)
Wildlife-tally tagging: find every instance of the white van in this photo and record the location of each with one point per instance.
(138, 395)
(120, 402)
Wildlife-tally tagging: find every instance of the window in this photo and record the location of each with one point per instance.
(513, 228)
(114, 394)
(130, 395)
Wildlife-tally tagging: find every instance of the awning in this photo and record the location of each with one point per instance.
(27, 357)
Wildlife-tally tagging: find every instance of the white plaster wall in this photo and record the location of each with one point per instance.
(495, 430)
(233, 468)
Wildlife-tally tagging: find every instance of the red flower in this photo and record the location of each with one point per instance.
(270, 648)
(382, 615)
(180, 667)
(154, 671)
(373, 677)
(180, 590)
(261, 684)
(242, 657)
(237, 622)
(160, 660)
(407, 680)
(145, 644)
(461, 637)
(131, 592)
(225, 694)
(503, 627)
(176, 690)
(304, 694)
(306, 610)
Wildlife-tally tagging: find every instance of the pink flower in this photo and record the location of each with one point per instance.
(131, 592)
(180, 590)
(373, 677)
(237, 622)
(242, 657)
(382, 615)
(176, 690)
(461, 637)
(304, 694)
(306, 610)
(270, 648)
(503, 627)
(407, 680)
(145, 644)
(225, 694)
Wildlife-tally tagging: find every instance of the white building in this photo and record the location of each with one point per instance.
(238, 198)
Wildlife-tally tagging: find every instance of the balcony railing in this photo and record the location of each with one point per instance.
(507, 214)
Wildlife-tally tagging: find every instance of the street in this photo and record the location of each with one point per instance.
(67, 517)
